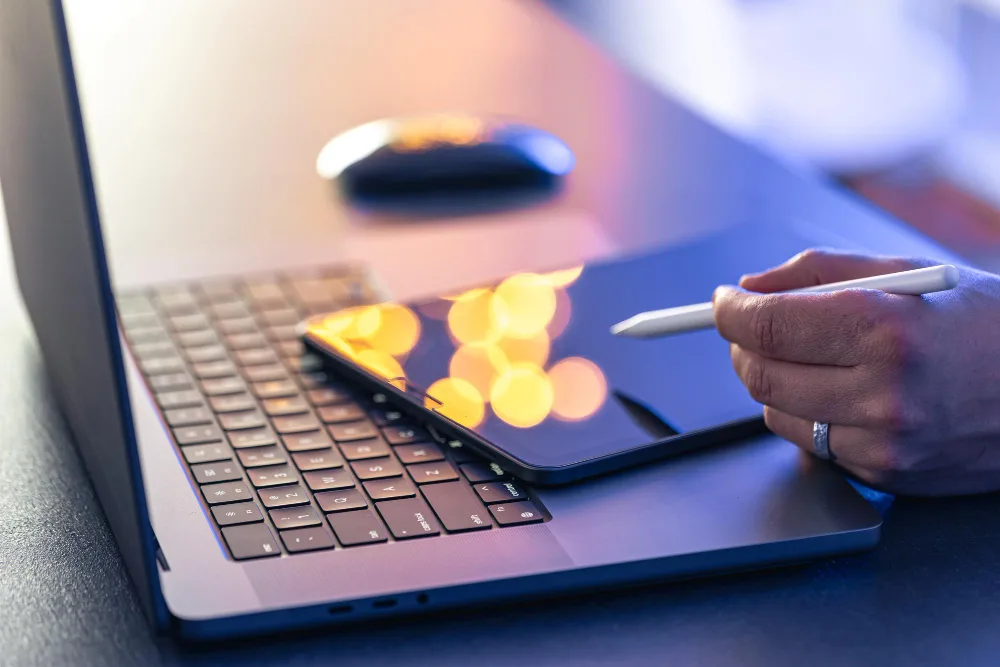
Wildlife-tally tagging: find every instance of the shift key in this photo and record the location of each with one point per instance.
(457, 507)
(409, 517)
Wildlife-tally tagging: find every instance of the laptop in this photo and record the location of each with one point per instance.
(245, 485)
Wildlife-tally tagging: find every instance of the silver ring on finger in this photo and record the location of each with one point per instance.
(821, 441)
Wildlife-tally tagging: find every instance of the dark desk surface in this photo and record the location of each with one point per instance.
(927, 595)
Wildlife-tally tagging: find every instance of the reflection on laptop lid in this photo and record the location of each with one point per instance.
(63, 272)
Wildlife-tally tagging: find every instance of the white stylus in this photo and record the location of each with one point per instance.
(657, 323)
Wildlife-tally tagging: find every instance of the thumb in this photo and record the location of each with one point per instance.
(818, 267)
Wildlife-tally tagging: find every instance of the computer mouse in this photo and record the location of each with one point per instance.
(406, 162)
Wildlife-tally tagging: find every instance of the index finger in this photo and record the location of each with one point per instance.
(833, 329)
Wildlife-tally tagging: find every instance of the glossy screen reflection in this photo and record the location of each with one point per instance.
(530, 366)
(496, 345)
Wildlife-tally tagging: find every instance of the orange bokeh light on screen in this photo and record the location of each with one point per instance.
(579, 389)
(564, 311)
(479, 364)
(458, 400)
(474, 318)
(350, 323)
(527, 302)
(534, 350)
(563, 278)
(397, 332)
(522, 396)
(380, 362)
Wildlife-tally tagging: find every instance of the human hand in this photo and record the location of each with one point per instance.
(909, 385)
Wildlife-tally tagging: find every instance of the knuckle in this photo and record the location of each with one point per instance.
(768, 330)
(758, 380)
(809, 256)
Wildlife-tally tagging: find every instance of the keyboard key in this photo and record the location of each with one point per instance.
(422, 453)
(232, 402)
(242, 341)
(242, 325)
(283, 333)
(408, 518)
(356, 528)
(163, 348)
(500, 492)
(279, 316)
(215, 451)
(377, 468)
(284, 496)
(289, 347)
(252, 540)
(257, 437)
(313, 380)
(262, 456)
(195, 435)
(300, 442)
(516, 513)
(352, 432)
(219, 292)
(191, 322)
(320, 459)
(205, 353)
(401, 435)
(237, 421)
(365, 449)
(266, 293)
(229, 310)
(171, 382)
(387, 417)
(129, 304)
(307, 539)
(222, 386)
(480, 471)
(255, 356)
(274, 389)
(456, 506)
(280, 407)
(214, 369)
(325, 480)
(390, 489)
(339, 414)
(222, 471)
(227, 492)
(147, 335)
(139, 321)
(306, 363)
(328, 396)
(265, 373)
(459, 453)
(272, 476)
(296, 423)
(296, 517)
(341, 501)
(427, 473)
(161, 365)
(230, 515)
(187, 398)
(197, 338)
(176, 301)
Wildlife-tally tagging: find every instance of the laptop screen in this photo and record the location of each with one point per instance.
(62, 269)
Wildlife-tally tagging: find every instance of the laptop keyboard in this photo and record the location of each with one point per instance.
(288, 458)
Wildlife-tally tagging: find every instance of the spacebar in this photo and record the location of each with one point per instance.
(456, 506)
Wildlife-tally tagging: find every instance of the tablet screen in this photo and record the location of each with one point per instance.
(529, 364)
